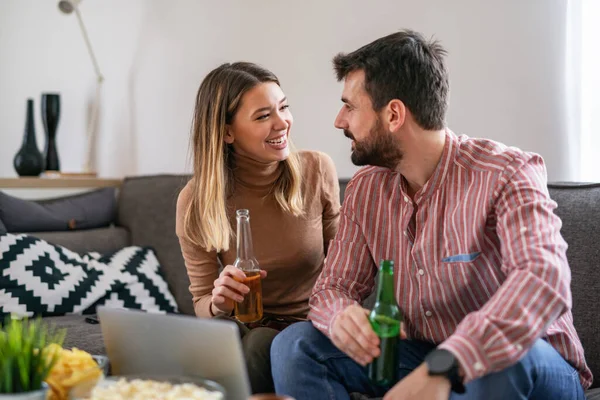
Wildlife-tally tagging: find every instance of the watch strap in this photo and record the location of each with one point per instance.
(452, 373)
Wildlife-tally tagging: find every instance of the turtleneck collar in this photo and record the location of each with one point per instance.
(255, 174)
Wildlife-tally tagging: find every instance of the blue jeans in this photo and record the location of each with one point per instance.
(306, 365)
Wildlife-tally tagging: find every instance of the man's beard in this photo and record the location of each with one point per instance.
(380, 148)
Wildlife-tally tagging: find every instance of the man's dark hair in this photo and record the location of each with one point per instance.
(402, 66)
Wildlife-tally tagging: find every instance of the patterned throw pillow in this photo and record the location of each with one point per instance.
(39, 278)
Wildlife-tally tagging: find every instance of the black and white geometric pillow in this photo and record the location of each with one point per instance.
(39, 278)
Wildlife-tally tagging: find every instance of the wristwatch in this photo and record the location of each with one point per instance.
(441, 362)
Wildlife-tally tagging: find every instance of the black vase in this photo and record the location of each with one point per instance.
(28, 160)
(50, 117)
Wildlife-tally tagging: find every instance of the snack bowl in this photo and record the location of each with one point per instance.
(131, 385)
(74, 368)
(83, 387)
(102, 362)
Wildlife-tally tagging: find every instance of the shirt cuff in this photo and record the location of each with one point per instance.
(323, 318)
(210, 311)
(470, 356)
(344, 303)
(332, 320)
(218, 314)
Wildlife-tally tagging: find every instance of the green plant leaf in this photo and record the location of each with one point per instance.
(25, 361)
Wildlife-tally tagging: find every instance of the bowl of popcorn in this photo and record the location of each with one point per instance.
(156, 387)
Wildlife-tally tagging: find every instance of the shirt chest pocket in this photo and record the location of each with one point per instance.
(460, 265)
(459, 276)
(462, 258)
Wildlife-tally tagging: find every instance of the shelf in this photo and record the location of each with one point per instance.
(57, 183)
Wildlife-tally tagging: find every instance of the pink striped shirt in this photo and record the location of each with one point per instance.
(482, 271)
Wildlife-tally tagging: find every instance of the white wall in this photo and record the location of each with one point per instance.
(506, 60)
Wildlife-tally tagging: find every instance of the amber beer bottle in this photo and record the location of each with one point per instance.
(251, 308)
(385, 319)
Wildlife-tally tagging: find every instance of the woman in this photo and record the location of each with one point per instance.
(242, 159)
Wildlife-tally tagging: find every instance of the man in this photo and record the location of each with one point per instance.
(481, 273)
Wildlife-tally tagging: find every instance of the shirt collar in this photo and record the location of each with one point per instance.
(441, 171)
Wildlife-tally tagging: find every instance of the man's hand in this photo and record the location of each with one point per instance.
(352, 333)
(418, 385)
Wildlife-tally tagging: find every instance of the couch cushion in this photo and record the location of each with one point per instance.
(38, 278)
(343, 184)
(80, 334)
(138, 281)
(147, 208)
(82, 211)
(101, 240)
(579, 210)
(593, 394)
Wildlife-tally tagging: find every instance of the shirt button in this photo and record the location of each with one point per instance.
(421, 272)
(518, 347)
(405, 233)
(428, 313)
(523, 229)
(478, 366)
(406, 199)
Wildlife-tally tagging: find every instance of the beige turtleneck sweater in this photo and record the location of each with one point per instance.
(291, 249)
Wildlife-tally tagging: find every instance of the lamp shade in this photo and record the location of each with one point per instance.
(68, 6)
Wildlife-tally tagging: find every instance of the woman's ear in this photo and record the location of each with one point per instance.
(228, 135)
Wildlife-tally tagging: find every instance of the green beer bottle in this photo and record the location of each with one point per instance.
(385, 319)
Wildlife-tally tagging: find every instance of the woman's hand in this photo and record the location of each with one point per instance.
(229, 289)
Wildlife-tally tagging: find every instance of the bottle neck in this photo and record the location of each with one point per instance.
(245, 250)
(385, 290)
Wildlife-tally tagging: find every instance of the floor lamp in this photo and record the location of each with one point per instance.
(68, 7)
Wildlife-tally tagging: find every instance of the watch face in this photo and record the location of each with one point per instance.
(440, 361)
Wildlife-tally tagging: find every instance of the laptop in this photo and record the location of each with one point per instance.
(139, 342)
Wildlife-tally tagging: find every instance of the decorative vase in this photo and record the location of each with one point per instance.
(28, 160)
(50, 117)
(34, 395)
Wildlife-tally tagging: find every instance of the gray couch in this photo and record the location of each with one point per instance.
(146, 217)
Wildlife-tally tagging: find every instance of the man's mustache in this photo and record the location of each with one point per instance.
(348, 134)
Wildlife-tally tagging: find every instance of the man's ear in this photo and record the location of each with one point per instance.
(229, 139)
(396, 114)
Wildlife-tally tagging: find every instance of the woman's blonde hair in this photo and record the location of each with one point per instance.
(219, 97)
